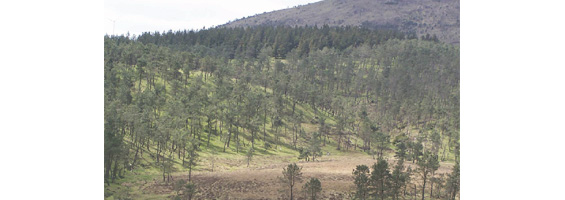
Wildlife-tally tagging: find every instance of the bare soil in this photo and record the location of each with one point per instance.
(334, 172)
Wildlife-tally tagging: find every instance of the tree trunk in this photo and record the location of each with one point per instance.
(209, 133)
(189, 171)
(134, 157)
(107, 173)
(224, 146)
(424, 186)
(158, 151)
(276, 137)
(265, 125)
(183, 154)
(252, 139)
(432, 185)
(291, 197)
(339, 142)
(431, 189)
(229, 136)
(415, 192)
(163, 172)
(382, 188)
(199, 128)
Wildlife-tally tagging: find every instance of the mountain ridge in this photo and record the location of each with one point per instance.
(422, 17)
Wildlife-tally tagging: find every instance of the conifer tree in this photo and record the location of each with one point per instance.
(292, 174)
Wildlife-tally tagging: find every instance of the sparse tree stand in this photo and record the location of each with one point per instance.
(304, 154)
(314, 146)
(312, 188)
(428, 164)
(167, 167)
(155, 99)
(437, 182)
(291, 175)
(453, 182)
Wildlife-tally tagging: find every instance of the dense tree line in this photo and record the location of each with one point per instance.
(166, 94)
(246, 42)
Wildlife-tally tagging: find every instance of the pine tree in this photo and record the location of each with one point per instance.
(427, 165)
(292, 174)
(312, 188)
(453, 181)
(361, 176)
(380, 178)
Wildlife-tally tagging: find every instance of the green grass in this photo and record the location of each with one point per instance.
(132, 184)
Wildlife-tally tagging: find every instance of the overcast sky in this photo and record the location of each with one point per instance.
(137, 16)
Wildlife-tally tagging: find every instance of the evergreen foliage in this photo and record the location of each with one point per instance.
(361, 176)
(168, 94)
(292, 174)
(312, 188)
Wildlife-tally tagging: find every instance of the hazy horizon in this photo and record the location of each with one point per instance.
(136, 17)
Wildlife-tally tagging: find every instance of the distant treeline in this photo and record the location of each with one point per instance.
(247, 42)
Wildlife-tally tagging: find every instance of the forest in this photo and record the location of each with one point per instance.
(176, 103)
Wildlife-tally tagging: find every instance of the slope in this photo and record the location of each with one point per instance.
(422, 17)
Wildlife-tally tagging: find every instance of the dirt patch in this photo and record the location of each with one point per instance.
(335, 173)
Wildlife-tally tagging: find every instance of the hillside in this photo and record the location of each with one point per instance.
(227, 126)
(422, 17)
(214, 114)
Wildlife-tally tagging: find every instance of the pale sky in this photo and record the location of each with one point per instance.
(137, 16)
